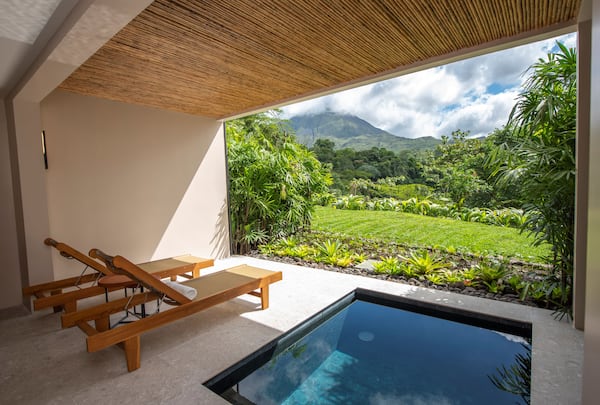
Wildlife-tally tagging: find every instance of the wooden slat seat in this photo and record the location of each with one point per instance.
(51, 294)
(211, 290)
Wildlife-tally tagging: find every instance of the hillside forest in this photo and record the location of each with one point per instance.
(456, 170)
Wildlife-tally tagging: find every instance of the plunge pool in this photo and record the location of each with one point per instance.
(375, 348)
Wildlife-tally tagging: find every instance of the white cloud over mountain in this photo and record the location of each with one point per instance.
(473, 95)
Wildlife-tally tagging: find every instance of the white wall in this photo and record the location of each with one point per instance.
(134, 181)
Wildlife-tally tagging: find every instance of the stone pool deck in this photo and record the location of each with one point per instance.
(44, 364)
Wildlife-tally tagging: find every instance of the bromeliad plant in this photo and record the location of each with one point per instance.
(491, 272)
(437, 279)
(388, 265)
(491, 275)
(336, 253)
(453, 277)
(424, 263)
(331, 252)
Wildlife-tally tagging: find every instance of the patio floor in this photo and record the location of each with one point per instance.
(44, 364)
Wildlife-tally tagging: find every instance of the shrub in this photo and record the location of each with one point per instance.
(512, 217)
(273, 181)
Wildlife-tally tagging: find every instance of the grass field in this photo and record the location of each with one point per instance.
(418, 230)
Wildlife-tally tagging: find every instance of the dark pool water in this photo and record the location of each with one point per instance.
(374, 354)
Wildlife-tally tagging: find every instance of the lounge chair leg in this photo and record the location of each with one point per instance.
(132, 352)
(70, 306)
(102, 324)
(264, 297)
(57, 308)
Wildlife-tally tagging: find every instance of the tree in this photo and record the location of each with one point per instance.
(539, 158)
(374, 163)
(324, 150)
(274, 181)
(456, 169)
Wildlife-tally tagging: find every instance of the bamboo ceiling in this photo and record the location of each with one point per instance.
(222, 58)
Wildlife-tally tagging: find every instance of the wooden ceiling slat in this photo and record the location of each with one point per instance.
(219, 59)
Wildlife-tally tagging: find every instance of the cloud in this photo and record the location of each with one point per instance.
(481, 116)
(513, 338)
(473, 95)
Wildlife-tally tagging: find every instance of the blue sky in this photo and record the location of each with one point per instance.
(473, 95)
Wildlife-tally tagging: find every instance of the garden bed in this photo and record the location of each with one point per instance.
(492, 277)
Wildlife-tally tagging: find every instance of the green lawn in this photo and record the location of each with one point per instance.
(418, 230)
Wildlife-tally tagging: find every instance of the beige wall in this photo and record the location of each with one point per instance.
(72, 34)
(32, 191)
(10, 279)
(132, 180)
(583, 177)
(591, 372)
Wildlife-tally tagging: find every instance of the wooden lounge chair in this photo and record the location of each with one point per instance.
(51, 294)
(210, 290)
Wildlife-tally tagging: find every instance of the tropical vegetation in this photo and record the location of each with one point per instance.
(537, 159)
(274, 181)
(520, 176)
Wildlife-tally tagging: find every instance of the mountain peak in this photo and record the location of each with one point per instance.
(350, 131)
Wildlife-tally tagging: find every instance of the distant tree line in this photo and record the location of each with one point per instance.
(376, 163)
(455, 170)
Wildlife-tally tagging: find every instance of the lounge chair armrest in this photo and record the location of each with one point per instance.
(50, 242)
(91, 314)
(98, 254)
(71, 253)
